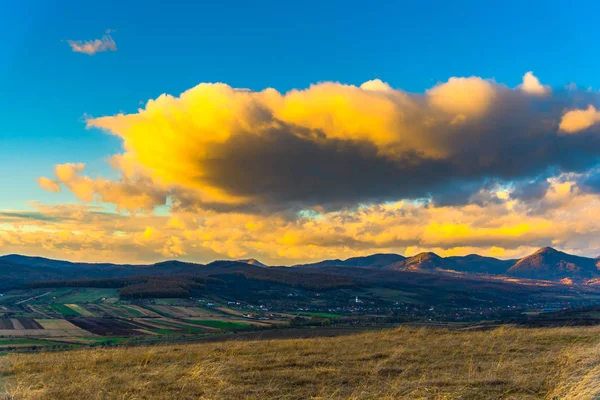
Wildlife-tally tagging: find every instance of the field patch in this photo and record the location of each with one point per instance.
(80, 310)
(29, 323)
(60, 328)
(143, 311)
(106, 326)
(6, 323)
(130, 310)
(88, 295)
(26, 342)
(184, 312)
(64, 310)
(320, 314)
(219, 324)
(180, 327)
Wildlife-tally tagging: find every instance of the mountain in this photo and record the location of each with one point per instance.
(546, 264)
(379, 260)
(253, 261)
(475, 263)
(551, 264)
(50, 263)
(422, 262)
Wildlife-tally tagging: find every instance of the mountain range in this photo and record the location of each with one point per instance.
(545, 264)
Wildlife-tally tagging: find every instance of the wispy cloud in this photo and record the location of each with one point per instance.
(91, 47)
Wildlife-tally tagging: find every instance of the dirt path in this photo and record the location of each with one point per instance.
(33, 298)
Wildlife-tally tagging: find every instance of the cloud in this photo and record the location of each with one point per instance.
(128, 194)
(463, 96)
(578, 120)
(331, 171)
(337, 146)
(531, 84)
(48, 184)
(506, 229)
(91, 47)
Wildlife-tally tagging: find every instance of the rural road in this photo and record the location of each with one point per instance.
(33, 298)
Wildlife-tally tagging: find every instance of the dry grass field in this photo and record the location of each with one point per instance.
(407, 363)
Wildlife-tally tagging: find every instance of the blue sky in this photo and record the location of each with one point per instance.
(167, 47)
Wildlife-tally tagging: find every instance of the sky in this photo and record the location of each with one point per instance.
(296, 131)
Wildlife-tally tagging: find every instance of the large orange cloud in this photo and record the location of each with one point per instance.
(336, 146)
(333, 171)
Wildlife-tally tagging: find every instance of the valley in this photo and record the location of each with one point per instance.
(181, 302)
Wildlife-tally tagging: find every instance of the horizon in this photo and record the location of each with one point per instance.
(285, 265)
(306, 138)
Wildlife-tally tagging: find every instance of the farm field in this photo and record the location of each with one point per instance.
(70, 317)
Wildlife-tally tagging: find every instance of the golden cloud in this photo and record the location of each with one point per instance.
(578, 120)
(332, 171)
(49, 184)
(335, 145)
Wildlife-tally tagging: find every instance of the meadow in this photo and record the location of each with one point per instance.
(403, 363)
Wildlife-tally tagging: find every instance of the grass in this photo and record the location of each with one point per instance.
(218, 324)
(64, 310)
(407, 363)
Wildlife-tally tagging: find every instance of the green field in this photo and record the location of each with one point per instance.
(108, 340)
(159, 312)
(218, 324)
(393, 295)
(129, 310)
(64, 310)
(86, 295)
(27, 341)
(162, 331)
(167, 302)
(320, 314)
(189, 329)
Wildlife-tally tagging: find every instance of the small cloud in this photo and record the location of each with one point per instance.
(531, 84)
(578, 120)
(48, 184)
(91, 47)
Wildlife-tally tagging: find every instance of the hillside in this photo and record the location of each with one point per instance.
(551, 264)
(475, 263)
(373, 261)
(406, 363)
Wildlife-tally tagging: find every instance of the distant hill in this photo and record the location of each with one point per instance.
(50, 263)
(546, 264)
(379, 260)
(253, 261)
(422, 262)
(475, 263)
(551, 264)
